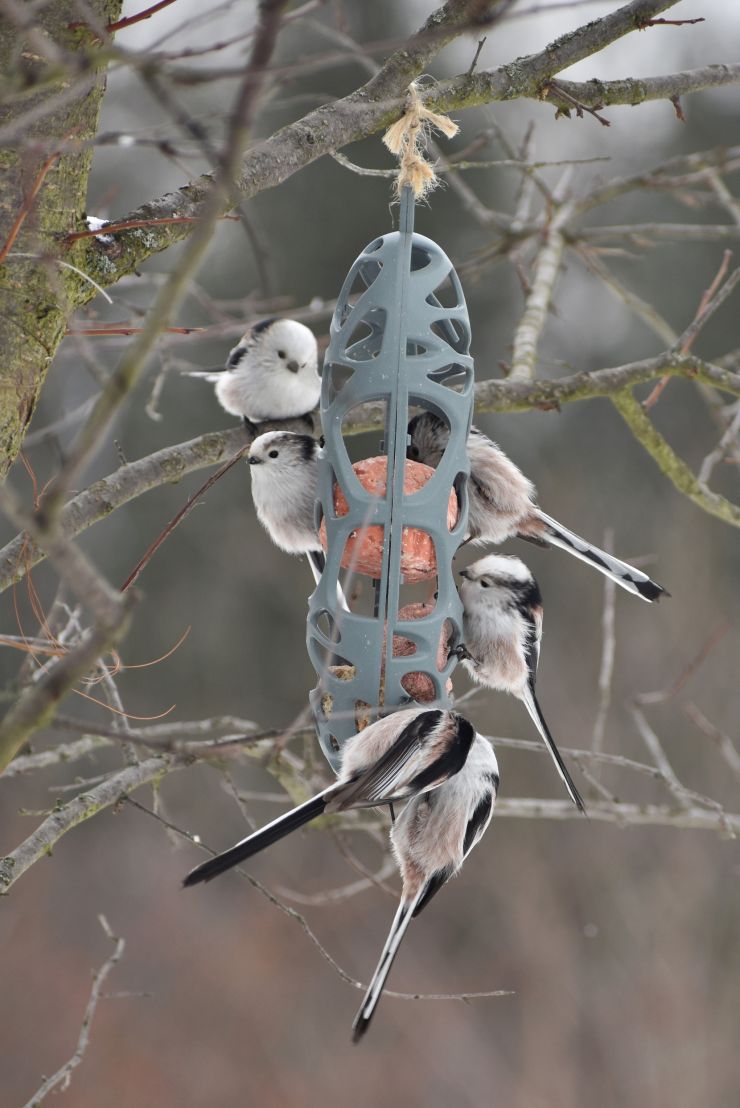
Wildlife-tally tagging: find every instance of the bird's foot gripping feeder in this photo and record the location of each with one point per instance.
(400, 339)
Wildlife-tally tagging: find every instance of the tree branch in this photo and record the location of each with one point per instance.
(670, 464)
(627, 815)
(374, 106)
(76, 811)
(63, 1076)
(169, 465)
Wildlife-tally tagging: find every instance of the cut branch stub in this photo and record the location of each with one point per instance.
(393, 341)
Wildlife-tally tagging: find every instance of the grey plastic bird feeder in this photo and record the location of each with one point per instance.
(400, 339)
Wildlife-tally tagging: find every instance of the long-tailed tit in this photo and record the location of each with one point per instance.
(283, 468)
(395, 758)
(431, 839)
(502, 629)
(270, 374)
(284, 478)
(502, 505)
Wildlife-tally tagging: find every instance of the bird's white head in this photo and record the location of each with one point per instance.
(279, 450)
(496, 578)
(280, 345)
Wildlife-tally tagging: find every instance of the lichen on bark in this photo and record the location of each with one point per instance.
(36, 293)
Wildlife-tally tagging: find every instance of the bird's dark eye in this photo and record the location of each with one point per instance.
(281, 353)
(273, 454)
(484, 582)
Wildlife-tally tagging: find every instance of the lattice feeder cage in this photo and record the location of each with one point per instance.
(399, 340)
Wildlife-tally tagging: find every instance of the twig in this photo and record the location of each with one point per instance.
(37, 703)
(552, 89)
(476, 55)
(608, 650)
(128, 329)
(642, 25)
(723, 447)
(76, 811)
(653, 744)
(130, 20)
(712, 298)
(724, 742)
(532, 322)
(180, 516)
(698, 660)
(292, 914)
(625, 815)
(65, 265)
(25, 210)
(62, 754)
(63, 1076)
(641, 308)
(670, 464)
(133, 224)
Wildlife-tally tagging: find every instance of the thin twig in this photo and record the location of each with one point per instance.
(127, 329)
(532, 322)
(724, 742)
(608, 651)
(292, 914)
(63, 1076)
(25, 210)
(712, 298)
(180, 516)
(133, 224)
(723, 447)
(659, 756)
(670, 464)
(698, 660)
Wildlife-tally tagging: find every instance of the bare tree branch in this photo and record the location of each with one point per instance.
(63, 1076)
(168, 465)
(670, 464)
(381, 101)
(41, 843)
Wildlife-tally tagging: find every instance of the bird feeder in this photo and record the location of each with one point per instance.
(399, 344)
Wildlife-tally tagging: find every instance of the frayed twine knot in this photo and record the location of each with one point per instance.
(407, 139)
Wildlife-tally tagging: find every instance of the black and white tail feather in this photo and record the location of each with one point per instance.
(621, 572)
(431, 839)
(396, 758)
(531, 704)
(501, 502)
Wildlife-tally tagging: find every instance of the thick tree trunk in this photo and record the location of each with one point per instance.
(52, 88)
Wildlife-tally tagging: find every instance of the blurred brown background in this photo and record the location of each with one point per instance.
(620, 944)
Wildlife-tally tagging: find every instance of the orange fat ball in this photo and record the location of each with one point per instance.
(419, 685)
(364, 550)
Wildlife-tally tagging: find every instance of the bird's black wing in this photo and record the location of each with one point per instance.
(388, 779)
(474, 830)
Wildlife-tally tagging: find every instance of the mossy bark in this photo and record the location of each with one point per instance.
(46, 99)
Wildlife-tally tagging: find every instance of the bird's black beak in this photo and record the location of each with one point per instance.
(254, 461)
(463, 572)
(293, 366)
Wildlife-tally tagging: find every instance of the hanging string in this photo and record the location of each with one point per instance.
(407, 139)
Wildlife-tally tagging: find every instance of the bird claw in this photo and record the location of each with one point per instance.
(462, 653)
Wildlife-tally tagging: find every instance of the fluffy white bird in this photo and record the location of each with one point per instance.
(283, 467)
(502, 504)
(272, 373)
(502, 629)
(431, 839)
(395, 758)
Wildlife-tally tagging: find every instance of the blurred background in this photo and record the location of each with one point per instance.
(619, 943)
